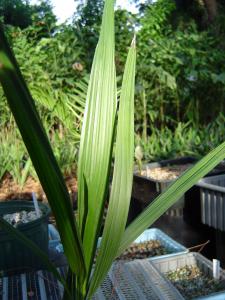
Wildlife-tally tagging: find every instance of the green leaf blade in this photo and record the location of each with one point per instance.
(122, 178)
(96, 137)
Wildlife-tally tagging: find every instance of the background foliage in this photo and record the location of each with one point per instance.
(180, 86)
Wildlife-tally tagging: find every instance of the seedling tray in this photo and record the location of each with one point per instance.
(212, 192)
(193, 203)
(146, 189)
(166, 264)
(139, 279)
(156, 234)
(124, 281)
(170, 245)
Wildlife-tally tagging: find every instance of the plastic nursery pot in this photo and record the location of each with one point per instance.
(146, 189)
(192, 206)
(14, 255)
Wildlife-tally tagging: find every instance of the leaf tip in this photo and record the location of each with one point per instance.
(133, 43)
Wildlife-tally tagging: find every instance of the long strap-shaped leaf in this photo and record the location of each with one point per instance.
(171, 195)
(122, 178)
(96, 137)
(36, 141)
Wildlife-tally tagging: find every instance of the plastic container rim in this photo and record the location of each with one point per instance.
(44, 208)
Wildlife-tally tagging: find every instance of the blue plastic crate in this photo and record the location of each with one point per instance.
(54, 239)
(171, 245)
(137, 277)
(156, 234)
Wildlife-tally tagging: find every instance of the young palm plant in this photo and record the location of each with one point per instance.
(106, 121)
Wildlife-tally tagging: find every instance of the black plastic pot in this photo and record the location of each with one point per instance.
(14, 255)
(146, 189)
(192, 206)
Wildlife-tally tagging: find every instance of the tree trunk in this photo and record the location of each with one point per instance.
(211, 7)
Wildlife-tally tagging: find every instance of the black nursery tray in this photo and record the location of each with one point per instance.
(146, 189)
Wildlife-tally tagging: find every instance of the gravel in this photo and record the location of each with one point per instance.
(192, 282)
(165, 173)
(143, 250)
(21, 217)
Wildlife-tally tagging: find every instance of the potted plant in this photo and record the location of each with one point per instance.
(105, 121)
(15, 256)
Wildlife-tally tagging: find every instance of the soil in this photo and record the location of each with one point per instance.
(143, 250)
(9, 189)
(165, 173)
(191, 282)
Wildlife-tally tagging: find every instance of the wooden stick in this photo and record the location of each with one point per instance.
(201, 246)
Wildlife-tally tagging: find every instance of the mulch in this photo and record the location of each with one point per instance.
(10, 190)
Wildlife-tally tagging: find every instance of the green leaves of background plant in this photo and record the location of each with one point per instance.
(36, 141)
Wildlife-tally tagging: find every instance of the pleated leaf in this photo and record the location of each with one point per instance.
(164, 201)
(36, 141)
(122, 177)
(97, 135)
